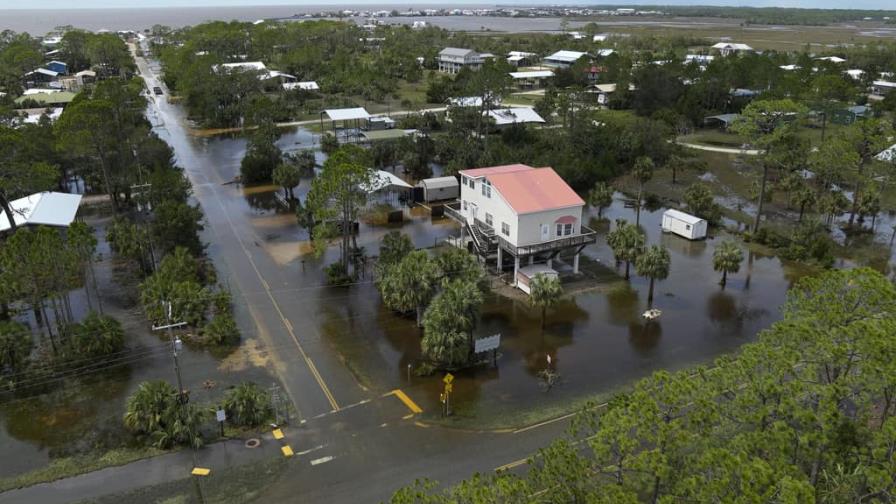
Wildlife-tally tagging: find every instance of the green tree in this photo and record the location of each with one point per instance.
(222, 330)
(653, 264)
(642, 172)
(700, 201)
(449, 322)
(411, 283)
(20, 173)
(394, 247)
(248, 405)
(262, 155)
(545, 292)
(15, 347)
(154, 411)
(767, 123)
(600, 197)
(336, 197)
(96, 336)
(627, 242)
(727, 258)
(287, 176)
(177, 225)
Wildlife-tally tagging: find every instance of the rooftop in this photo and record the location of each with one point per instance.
(43, 209)
(347, 114)
(684, 217)
(566, 56)
(456, 51)
(527, 189)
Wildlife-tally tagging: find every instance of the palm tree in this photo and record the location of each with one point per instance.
(545, 291)
(148, 408)
(286, 176)
(98, 335)
(627, 242)
(448, 324)
(653, 264)
(248, 405)
(411, 284)
(642, 172)
(727, 258)
(600, 197)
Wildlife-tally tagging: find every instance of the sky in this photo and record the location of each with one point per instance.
(100, 4)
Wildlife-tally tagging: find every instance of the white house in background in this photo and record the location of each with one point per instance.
(700, 59)
(520, 211)
(517, 58)
(855, 73)
(684, 224)
(729, 48)
(42, 209)
(304, 85)
(600, 37)
(790, 68)
(563, 59)
(531, 79)
(255, 66)
(518, 115)
(832, 59)
(882, 87)
(452, 59)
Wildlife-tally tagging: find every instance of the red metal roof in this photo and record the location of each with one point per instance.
(495, 170)
(534, 190)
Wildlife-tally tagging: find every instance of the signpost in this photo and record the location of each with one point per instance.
(446, 395)
(221, 415)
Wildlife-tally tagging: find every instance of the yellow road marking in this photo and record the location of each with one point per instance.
(512, 465)
(407, 401)
(200, 471)
(406, 417)
(267, 289)
(278, 434)
(287, 451)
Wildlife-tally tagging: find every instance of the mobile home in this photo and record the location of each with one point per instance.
(685, 225)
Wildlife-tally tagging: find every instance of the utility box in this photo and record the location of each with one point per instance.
(684, 225)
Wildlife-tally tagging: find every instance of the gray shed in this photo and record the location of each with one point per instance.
(439, 188)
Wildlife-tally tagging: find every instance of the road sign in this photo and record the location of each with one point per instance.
(221, 415)
(485, 344)
(448, 378)
(449, 388)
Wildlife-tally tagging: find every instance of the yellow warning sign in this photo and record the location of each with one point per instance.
(448, 378)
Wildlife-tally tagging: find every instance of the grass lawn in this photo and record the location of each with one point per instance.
(66, 467)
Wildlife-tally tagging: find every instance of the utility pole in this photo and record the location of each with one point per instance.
(182, 399)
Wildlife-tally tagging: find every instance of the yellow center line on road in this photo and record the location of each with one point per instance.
(286, 323)
(406, 400)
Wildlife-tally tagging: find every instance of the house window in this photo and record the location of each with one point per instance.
(687, 227)
(472, 184)
(465, 204)
(564, 229)
(488, 219)
(505, 229)
(486, 188)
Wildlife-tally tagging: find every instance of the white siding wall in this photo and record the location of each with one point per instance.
(500, 210)
(530, 224)
(524, 229)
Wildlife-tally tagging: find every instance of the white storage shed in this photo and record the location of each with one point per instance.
(439, 188)
(525, 275)
(683, 224)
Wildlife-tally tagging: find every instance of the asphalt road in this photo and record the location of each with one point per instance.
(351, 444)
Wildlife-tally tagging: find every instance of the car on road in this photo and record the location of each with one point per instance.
(157, 90)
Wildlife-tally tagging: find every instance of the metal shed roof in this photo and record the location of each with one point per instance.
(684, 217)
(532, 74)
(382, 180)
(438, 182)
(347, 114)
(43, 209)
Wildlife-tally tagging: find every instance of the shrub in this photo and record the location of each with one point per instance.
(248, 405)
(221, 330)
(153, 411)
(15, 346)
(337, 275)
(97, 335)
